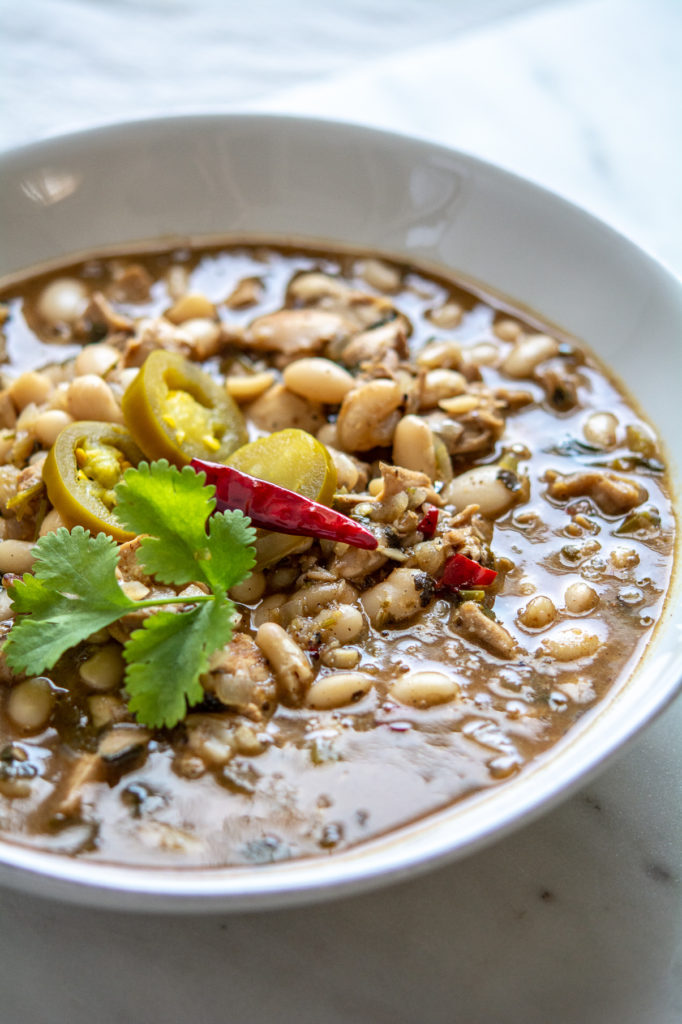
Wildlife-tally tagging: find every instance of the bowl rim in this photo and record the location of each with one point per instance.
(414, 847)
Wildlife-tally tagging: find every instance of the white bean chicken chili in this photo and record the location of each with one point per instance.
(516, 500)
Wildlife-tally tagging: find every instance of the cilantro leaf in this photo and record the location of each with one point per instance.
(230, 544)
(72, 593)
(73, 590)
(172, 505)
(168, 654)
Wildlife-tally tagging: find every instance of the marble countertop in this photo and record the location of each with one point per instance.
(576, 918)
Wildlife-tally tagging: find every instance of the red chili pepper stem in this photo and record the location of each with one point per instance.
(271, 507)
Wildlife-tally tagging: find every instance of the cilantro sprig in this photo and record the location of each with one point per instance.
(73, 590)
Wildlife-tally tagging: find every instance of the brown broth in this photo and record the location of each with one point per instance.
(328, 779)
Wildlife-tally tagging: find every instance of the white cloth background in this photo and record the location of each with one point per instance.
(576, 919)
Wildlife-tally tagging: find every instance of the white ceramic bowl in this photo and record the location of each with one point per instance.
(277, 178)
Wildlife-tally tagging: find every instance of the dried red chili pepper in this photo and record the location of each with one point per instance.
(271, 507)
(428, 524)
(462, 573)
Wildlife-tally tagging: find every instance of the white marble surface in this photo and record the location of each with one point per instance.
(576, 919)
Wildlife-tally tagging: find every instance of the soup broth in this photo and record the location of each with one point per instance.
(518, 502)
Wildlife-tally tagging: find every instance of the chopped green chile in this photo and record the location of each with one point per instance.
(363, 689)
(644, 519)
(176, 411)
(81, 471)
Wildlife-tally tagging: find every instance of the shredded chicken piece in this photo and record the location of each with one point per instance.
(246, 292)
(355, 564)
(362, 310)
(128, 566)
(561, 387)
(8, 414)
(151, 333)
(133, 578)
(131, 283)
(30, 476)
(240, 678)
(295, 332)
(475, 625)
(278, 408)
(471, 423)
(99, 314)
(512, 399)
(398, 480)
(614, 495)
(68, 796)
(375, 344)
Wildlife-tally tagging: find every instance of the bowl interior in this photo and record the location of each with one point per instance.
(286, 179)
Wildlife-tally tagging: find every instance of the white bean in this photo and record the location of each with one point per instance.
(268, 609)
(424, 689)
(580, 598)
(311, 287)
(344, 622)
(177, 280)
(600, 429)
(529, 352)
(318, 379)
(507, 330)
(30, 387)
(310, 600)
(278, 408)
(295, 331)
(623, 557)
(538, 613)
(104, 670)
(440, 354)
(347, 473)
(480, 486)
(398, 597)
(16, 556)
(203, 335)
(63, 301)
(340, 657)
(49, 424)
(249, 590)
(98, 358)
(90, 398)
(51, 523)
(380, 275)
(338, 689)
(439, 384)
(27, 417)
(413, 446)
(568, 644)
(369, 416)
(192, 306)
(124, 378)
(248, 387)
(30, 703)
(446, 316)
(485, 353)
(287, 660)
(328, 435)
(105, 709)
